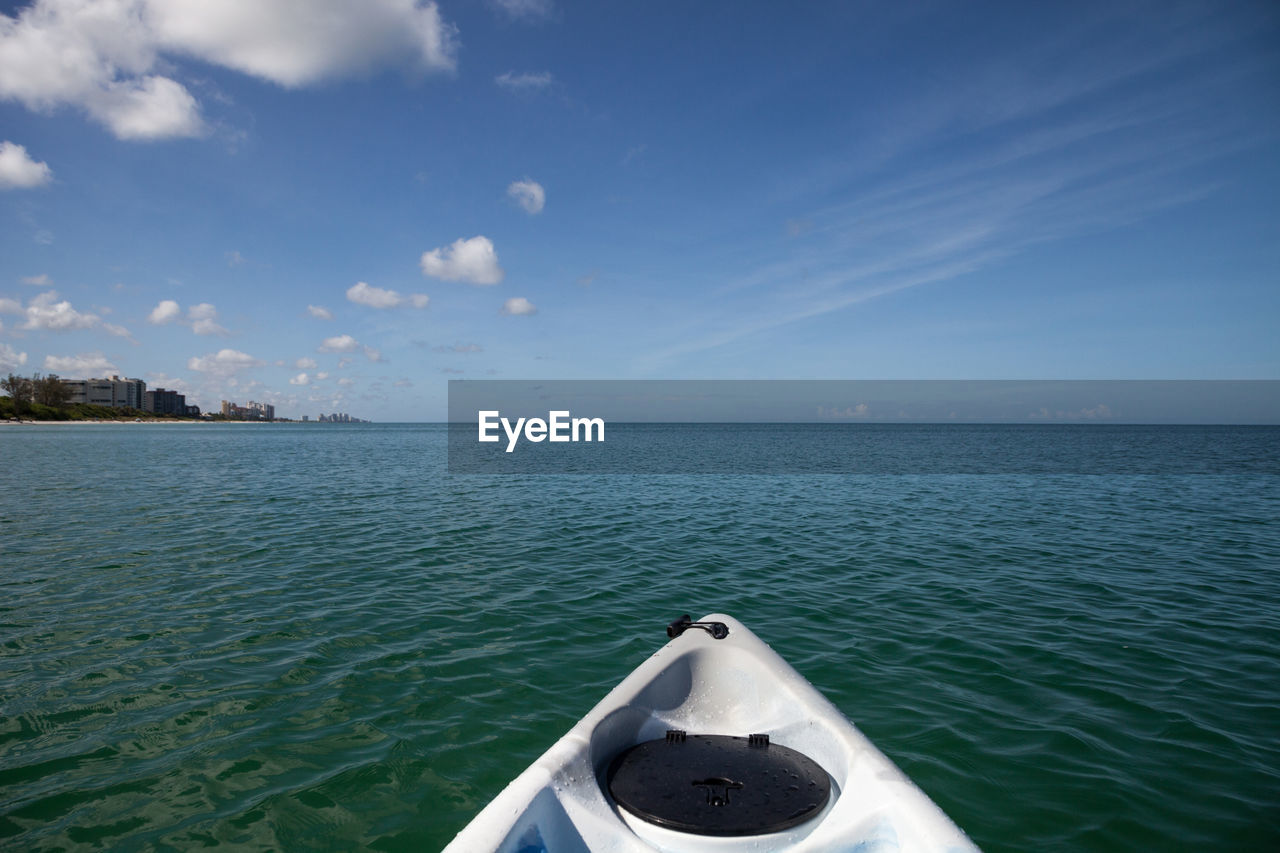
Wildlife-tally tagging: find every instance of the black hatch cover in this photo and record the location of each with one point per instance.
(718, 785)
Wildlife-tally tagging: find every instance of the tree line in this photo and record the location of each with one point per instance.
(45, 390)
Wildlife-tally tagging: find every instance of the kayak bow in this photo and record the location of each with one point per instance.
(712, 744)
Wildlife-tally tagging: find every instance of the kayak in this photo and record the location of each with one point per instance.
(712, 744)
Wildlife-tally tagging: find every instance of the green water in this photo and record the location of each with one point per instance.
(289, 637)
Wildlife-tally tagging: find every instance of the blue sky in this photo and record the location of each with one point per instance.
(250, 200)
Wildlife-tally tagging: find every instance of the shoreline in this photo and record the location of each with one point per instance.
(131, 422)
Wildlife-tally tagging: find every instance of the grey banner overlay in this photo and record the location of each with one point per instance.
(865, 427)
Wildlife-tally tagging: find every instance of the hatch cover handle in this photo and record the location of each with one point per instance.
(718, 630)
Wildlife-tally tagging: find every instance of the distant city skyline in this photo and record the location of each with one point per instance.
(342, 211)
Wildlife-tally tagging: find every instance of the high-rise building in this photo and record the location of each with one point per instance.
(115, 392)
(252, 412)
(265, 411)
(162, 402)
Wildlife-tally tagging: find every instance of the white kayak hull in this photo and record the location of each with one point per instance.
(732, 686)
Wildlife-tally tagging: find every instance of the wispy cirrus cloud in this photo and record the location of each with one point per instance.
(525, 81)
(362, 293)
(998, 162)
(525, 10)
(529, 194)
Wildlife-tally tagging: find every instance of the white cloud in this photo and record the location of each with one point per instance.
(319, 312)
(297, 42)
(47, 312)
(377, 297)
(223, 361)
(403, 383)
(170, 383)
(340, 343)
(166, 311)
(519, 306)
(525, 9)
(528, 194)
(526, 81)
(346, 383)
(458, 347)
(300, 379)
(41, 280)
(204, 319)
(473, 261)
(321, 376)
(372, 354)
(18, 171)
(151, 108)
(104, 56)
(88, 364)
(11, 359)
(305, 364)
(11, 306)
(163, 380)
(96, 55)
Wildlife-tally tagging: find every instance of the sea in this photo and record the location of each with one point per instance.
(317, 637)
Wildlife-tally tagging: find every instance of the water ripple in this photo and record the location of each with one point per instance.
(313, 638)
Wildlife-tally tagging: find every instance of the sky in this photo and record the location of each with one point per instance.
(339, 206)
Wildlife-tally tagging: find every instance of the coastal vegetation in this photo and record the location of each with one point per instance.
(47, 398)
